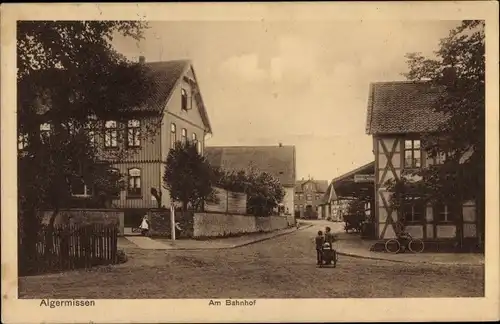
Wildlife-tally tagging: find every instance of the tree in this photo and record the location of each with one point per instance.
(188, 175)
(264, 194)
(264, 191)
(457, 73)
(69, 80)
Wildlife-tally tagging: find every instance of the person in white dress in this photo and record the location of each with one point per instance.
(144, 225)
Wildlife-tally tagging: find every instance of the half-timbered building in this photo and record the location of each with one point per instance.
(398, 114)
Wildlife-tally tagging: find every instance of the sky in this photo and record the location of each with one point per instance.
(301, 83)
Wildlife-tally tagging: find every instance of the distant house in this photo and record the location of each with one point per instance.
(308, 195)
(182, 117)
(277, 160)
(398, 114)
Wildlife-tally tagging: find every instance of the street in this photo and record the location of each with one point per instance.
(282, 267)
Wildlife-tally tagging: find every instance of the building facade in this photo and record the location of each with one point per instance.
(399, 113)
(176, 113)
(308, 196)
(184, 118)
(278, 161)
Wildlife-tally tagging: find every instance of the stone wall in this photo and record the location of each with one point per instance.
(85, 217)
(216, 225)
(228, 202)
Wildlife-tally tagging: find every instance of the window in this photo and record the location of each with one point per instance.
(184, 99)
(413, 210)
(317, 197)
(173, 135)
(296, 207)
(442, 213)
(183, 136)
(199, 147)
(91, 135)
(134, 183)
(22, 141)
(309, 197)
(111, 134)
(89, 126)
(80, 189)
(301, 196)
(45, 132)
(133, 133)
(441, 157)
(412, 154)
(195, 142)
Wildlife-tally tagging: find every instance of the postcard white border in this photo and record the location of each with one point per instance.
(275, 310)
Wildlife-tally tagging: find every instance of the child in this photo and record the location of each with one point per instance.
(329, 237)
(144, 225)
(319, 240)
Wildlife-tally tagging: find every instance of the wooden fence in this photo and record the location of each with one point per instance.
(71, 247)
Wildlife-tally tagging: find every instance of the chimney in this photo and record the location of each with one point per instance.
(142, 59)
(281, 144)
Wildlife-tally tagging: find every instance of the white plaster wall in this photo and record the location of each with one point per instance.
(417, 231)
(446, 231)
(288, 200)
(216, 224)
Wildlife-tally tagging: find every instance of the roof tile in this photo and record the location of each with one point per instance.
(402, 107)
(276, 160)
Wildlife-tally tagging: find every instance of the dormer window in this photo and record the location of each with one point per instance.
(184, 99)
(413, 157)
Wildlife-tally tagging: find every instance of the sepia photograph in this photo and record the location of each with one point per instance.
(236, 161)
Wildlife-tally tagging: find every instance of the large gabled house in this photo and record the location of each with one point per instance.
(398, 114)
(308, 196)
(175, 112)
(183, 118)
(278, 161)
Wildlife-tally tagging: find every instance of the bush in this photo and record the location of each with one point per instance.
(121, 256)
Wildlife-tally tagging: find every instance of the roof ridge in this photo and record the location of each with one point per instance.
(401, 82)
(348, 174)
(168, 61)
(246, 146)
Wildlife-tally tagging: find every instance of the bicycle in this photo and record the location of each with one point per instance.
(410, 243)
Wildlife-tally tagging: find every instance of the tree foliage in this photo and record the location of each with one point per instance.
(264, 191)
(188, 175)
(458, 71)
(71, 78)
(356, 207)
